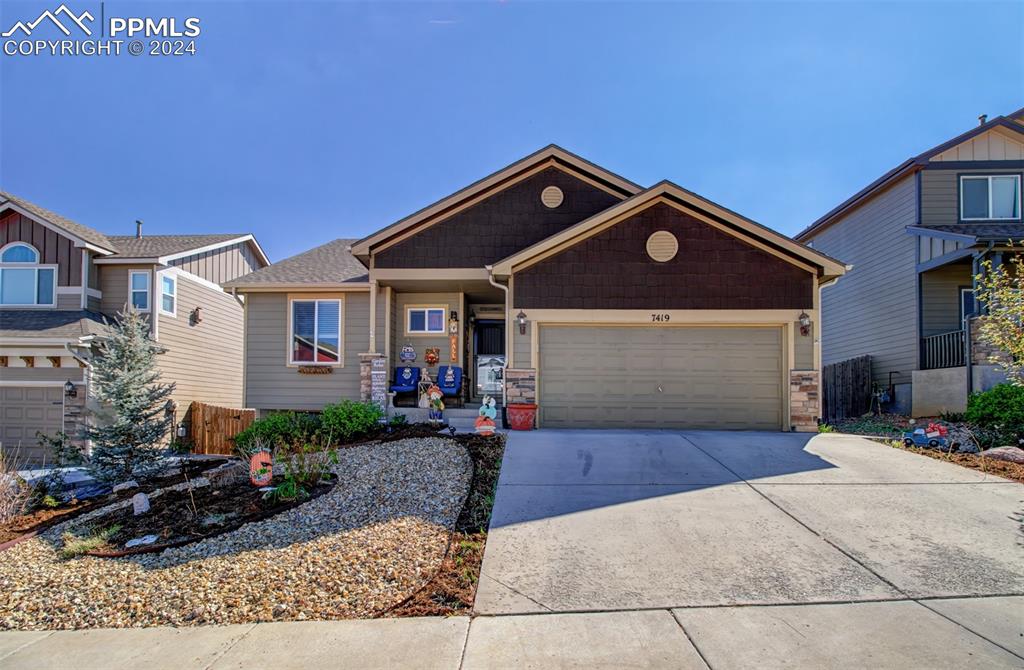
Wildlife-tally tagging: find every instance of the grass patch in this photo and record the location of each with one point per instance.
(884, 425)
(75, 545)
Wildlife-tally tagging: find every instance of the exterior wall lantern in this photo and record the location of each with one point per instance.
(521, 320)
(196, 316)
(69, 389)
(805, 324)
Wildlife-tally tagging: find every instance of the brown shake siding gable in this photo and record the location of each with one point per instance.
(498, 226)
(712, 270)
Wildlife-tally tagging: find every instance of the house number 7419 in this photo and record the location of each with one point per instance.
(660, 317)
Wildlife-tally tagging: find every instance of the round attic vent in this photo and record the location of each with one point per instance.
(662, 246)
(551, 196)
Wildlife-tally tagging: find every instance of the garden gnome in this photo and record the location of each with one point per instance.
(485, 422)
(436, 414)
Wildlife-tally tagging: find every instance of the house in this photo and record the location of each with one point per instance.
(916, 237)
(557, 282)
(61, 284)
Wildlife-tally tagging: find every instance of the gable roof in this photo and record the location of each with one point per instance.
(1013, 122)
(551, 153)
(164, 248)
(72, 228)
(329, 265)
(740, 226)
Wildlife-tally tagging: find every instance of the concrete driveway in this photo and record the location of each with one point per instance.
(608, 521)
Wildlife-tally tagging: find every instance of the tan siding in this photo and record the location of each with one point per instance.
(53, 248)
(382, 317)
(804, 348)
(204, 359)
(940, 298)
(43, 372)
(221, 265)
(450, 301)
(990, 146)
(940, 195)
(94, 304)
(69, 301)
(114, 285)
(873, 308)
(271, 384)
(522, 347)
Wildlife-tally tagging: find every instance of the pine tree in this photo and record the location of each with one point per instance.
(128, 438)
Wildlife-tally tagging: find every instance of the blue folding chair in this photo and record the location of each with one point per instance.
(406, 380)
(449, 380)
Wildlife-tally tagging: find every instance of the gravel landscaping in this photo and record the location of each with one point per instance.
(353, 552)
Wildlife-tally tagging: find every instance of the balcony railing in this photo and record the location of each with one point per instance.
(945, 350)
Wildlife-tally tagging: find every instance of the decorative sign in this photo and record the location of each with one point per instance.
(453, 346)
(407, 354)
(449, 376)
(432, 355)
(436, 398)
(484, 424)
(315, 370)
(261, 468)
(379, 382)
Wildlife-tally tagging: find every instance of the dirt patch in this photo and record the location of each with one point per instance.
(991, 466)
(181, 517)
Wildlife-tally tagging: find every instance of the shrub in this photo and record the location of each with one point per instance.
(75, 545)
(997, 415)
(349, 419)
(278, 430)
(825, 428)
(15, 494)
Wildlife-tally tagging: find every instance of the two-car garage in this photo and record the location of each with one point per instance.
(609, 376)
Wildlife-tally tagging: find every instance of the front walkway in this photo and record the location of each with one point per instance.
(896, 634)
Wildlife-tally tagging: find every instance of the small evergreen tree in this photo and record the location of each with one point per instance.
(128, 439)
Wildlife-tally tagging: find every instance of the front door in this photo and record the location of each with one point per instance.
(488, 358)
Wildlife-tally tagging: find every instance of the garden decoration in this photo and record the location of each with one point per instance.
(432, 355)
(453, 338)
(407, 354)
(484, 424)
(261, 468)
(436, 414)
(935, 436)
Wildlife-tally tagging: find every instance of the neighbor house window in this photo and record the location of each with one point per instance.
(138, 286)
(168, 294)
(990, 197)
(424, 320)
(23, 281)
(315, 332)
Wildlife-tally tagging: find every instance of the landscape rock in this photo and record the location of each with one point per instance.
(124, 486)
(1012, 454)
(140, 541)
(199, 482)
(140, 503)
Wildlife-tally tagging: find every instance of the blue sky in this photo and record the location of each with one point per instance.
(303, 122)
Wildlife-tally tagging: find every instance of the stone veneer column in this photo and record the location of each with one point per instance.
(804, 400)
(521, 386)
(373, 378)
(982, 352)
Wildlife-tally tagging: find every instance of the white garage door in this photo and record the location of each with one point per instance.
(25, 410)
(666, 377)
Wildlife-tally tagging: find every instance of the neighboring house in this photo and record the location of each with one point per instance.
(61, 283)
(915, 238)
(608, 304)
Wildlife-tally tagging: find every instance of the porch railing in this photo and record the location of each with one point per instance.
(945, 350)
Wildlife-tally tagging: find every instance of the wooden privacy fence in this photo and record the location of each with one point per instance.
(214, 428)
(846, 388)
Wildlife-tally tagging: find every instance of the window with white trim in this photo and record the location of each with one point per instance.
(168, 295)
(990, 197)
(315, 332)
(138, 289)
(425, 320)
(23, 280)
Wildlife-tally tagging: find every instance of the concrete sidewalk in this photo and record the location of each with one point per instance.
(950, 633)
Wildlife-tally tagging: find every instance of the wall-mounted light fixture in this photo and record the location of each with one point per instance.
(69, 389)
(521, 320)
(182, 431)
(805, 324)
(196, 316)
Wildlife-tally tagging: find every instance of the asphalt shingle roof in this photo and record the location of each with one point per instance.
(985, 232)
(329, 263)
(152, 246)
(51, 323)
(84, 232)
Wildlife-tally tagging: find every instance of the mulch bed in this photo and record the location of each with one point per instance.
(178, 517)
(991, 466)
(32, 523)
(452, 589)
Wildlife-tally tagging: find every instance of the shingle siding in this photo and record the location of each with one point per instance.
(873, 308)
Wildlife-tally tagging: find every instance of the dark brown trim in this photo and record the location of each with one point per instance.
(975, 165)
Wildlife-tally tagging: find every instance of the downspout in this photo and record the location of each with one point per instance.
(508, 331)
(969, 355)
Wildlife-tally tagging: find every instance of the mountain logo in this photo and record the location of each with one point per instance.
(53, 17)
